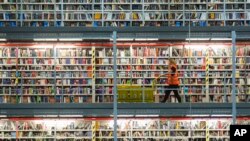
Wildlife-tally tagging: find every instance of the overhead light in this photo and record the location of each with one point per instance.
(125, 39)
(45, 115)
(197, 39)
(197, 115)
(152, 39)
(70, 115)
(146, 39)
(2, 39)
(125, 115)
(221, 39)
(141, 39)
(122, 39)
(221, 115)
(96, 38)
(3, 115)
(146, 115)
(70, 39)
(122, 115)
(45, 39)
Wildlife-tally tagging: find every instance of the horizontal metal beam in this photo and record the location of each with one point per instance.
(106, 110)
(162, 33)
(119, 29)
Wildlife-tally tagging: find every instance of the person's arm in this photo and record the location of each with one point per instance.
(161, 76)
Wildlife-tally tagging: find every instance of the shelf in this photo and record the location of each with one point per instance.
(73, 64)
(92, 81)
(218, 129)
(168, 10)
(74, 130)
(72, 70)
(164, 127)
(219, 137)
(37, 70)
(36, 137)
(53, 95)
(37, 85)
(65, 137)
(72, 57)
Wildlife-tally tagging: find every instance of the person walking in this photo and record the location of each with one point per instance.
(173, 82)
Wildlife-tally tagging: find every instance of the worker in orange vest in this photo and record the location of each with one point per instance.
(173, 81)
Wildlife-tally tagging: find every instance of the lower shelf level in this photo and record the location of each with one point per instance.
(128, 129)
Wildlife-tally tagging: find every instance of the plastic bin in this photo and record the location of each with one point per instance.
(134, 93)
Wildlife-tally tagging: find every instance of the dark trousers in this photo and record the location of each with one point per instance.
(169, 89)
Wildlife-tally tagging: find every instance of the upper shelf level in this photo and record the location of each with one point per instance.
(122, 13)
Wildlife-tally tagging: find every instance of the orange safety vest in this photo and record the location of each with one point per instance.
(173, 79)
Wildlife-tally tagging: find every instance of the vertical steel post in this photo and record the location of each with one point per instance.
(62, 14)
(233, 78)
(21, 14)
(224, 13)
(102, 13)
(143, 13)
(115, 86)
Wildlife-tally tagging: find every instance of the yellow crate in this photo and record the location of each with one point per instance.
(134, 93)
(148, 94)
(122, 93)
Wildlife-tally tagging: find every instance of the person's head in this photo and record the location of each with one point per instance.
(172, 62)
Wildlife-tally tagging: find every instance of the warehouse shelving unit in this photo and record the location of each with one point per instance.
(191, 122)
(122, 13)
(128, 129)
(62, 73)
